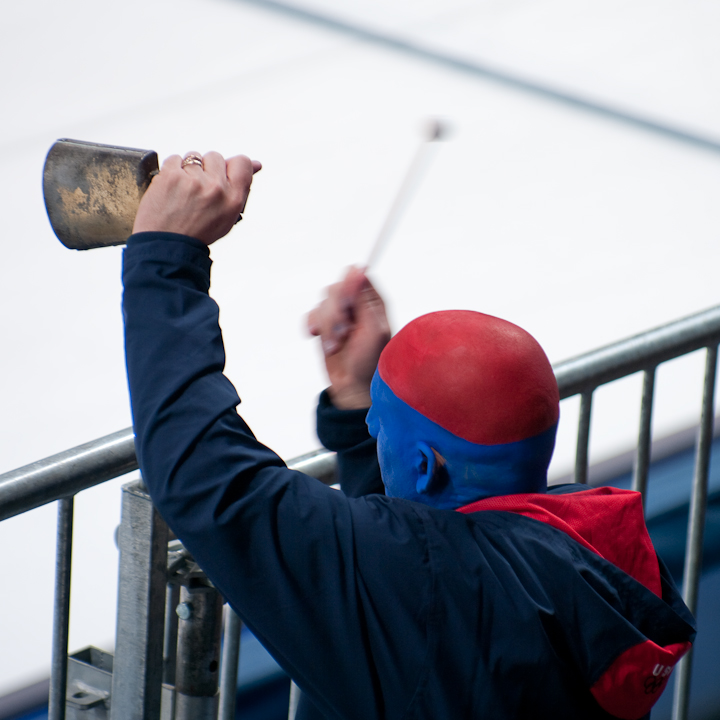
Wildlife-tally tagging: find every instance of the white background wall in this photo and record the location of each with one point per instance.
(581, 229)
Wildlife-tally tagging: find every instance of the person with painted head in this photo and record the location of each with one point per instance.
(469, 589)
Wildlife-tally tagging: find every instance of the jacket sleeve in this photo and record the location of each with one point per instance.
(345, 432)
(281, 547)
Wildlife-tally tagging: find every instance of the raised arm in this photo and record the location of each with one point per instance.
(291, 555)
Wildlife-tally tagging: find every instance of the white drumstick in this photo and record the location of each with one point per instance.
(409, 184)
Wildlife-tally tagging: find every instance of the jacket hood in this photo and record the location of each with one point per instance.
(610, 523)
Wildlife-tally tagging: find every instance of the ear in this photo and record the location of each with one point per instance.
(426, 466)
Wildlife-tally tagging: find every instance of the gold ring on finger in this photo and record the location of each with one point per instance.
(192, 160)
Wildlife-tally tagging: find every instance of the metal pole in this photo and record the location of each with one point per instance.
(82, 467)
(138, 665)
(583, 440)
(696, 527)
(320, 464)
(230, 663)
(295, 693)
(588, 371)
(642, 459)
(698, 499)
(61, 616)
(67, 473)
(172, 600)
(198, 652)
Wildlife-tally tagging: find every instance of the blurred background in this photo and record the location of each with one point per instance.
(576, 195)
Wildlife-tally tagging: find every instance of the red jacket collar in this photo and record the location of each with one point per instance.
(605, 520)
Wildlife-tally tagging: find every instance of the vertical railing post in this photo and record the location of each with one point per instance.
(642, 459)
(198, 651)
(230, 664)
(138, 665)
(61, 615)
(172, 600)
(696, 526)
(583, 438)
(295, 693)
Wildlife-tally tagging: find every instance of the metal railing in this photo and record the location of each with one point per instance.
(62, 476)
(644, 353)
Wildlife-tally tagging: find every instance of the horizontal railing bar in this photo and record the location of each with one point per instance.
(67, 473)
(319, 464)
(82, 467)
(588, 371)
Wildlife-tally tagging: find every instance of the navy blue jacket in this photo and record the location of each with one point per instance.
(376, 607)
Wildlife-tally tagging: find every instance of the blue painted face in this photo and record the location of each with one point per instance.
(421, 461)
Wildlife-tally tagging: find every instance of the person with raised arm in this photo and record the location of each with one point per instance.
(470, 589)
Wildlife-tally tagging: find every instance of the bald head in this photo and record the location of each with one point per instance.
(479, 377)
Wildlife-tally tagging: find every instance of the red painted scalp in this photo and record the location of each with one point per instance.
(482, 378)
